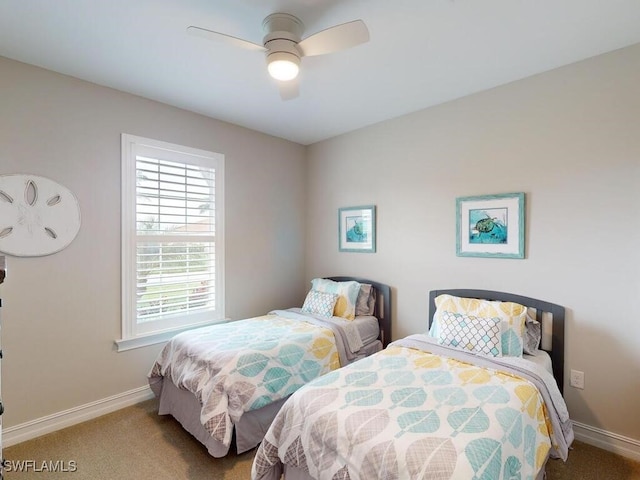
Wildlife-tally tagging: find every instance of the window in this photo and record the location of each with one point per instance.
(172, 240)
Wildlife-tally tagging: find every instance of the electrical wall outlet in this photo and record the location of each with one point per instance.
(577, 379)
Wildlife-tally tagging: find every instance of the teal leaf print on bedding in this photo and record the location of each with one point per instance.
(264, 345)
(361, 379)
(292, 388)
(399, 378)
(393, 363)
(290, 355)
(469, 420)
(252, 364)
(419, 421)
(260, 402)
(511, 344)
(450, 396)
(491, 394)
(310, 370)
(409, 397)
(275, 379)
(326, 379)
(510, 420)
(512, 469)
(364, 398)
(529, 445)
(362, 364)
(485, 457)
(437, 377)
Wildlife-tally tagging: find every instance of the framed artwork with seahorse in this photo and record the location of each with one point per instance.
(490, 226)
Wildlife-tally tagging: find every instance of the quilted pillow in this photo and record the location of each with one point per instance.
(474, 334)
(513, 316)
(366, 302)
(532, 333)
(320, 303)
(347, 295)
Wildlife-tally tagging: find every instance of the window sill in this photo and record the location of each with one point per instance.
(144, 341)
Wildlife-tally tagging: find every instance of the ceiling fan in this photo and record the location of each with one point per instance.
(284, 46)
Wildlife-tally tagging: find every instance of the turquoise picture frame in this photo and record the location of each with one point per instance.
(491, 226)
(357, 229)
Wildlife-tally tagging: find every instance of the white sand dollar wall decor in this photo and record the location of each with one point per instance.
(37, 216)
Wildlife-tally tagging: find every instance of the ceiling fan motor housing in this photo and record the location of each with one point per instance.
(282, 35)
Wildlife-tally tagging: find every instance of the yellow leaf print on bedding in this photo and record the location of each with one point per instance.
(528, 394)
(335, 361)
(428, 361)
(321, 347)
(475, 375)
(392, 351)
(541, 455)
(546, 427)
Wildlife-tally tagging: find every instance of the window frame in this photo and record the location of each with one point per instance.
(160, 330)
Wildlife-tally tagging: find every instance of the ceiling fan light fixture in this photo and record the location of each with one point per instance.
(283, 65)
(284, 46)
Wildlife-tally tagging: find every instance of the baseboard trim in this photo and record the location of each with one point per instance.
(57, 421)
(625, 446)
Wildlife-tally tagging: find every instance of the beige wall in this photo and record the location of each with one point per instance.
(61, 313)
(569, 139)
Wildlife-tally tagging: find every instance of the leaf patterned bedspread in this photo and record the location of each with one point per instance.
(244, 365)
(406, 413)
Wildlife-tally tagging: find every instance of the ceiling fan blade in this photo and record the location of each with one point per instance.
(289, 89)
(221, 37)
(334, 39)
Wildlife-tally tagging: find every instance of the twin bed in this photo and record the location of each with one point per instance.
(477, 397)
(225, 383)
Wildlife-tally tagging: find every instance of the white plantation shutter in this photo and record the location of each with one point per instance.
(172, 237)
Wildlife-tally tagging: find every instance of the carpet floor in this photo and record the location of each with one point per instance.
(135, 443)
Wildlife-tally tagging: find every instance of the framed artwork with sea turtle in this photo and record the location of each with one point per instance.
(357, 229)
(490, 226)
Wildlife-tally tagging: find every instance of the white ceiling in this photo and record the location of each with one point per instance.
(421, 52)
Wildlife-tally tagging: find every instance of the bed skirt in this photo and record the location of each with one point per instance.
(185, 408)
